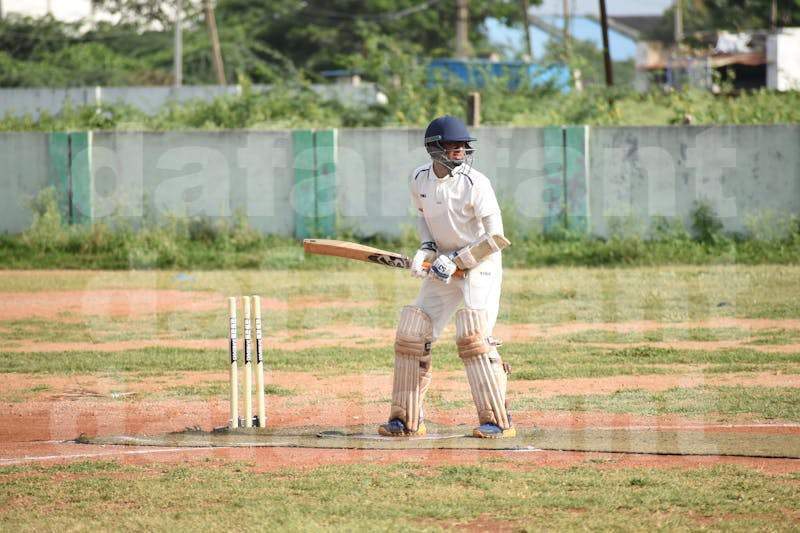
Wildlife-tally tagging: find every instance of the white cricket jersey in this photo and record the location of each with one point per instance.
(453, 206)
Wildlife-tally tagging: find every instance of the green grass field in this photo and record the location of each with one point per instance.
(404, 497)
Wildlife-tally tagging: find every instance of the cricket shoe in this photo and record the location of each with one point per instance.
(493, 431)
(396, 428)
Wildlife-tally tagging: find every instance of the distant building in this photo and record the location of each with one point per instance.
(477, 72)
(783, 60)
(747, 60)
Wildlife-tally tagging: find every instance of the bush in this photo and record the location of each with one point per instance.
(46, 233)
(706, 226)
(412, 101)
(204, 243)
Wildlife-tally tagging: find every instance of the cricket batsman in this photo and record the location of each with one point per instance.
(460, 229)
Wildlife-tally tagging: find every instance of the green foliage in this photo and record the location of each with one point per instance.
(412, 103)
(585, 57)
(177, 242)
(265, 41)
(45, 52)
(748, 107)
(47, 231)
(284, 106)
(286, 43)
(706, 225)
(769, 226)
(328, 34)
(226, 243)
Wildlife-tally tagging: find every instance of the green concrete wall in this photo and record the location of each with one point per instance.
(69, 160)
(24, 172)
(216, 175)
(316, 183)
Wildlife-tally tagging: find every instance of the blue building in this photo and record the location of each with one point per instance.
(476, 73)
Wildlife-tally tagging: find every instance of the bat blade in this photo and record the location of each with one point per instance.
(358, 252)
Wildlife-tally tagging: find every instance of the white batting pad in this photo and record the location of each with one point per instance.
(412, 365)
(485, 373)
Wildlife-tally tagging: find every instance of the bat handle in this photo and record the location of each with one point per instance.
(457, 274)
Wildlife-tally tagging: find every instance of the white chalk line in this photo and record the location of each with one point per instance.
(29, 459)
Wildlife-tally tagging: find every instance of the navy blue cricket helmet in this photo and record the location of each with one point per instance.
(448, 129)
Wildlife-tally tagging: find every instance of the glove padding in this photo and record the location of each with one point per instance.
(423, 255)
(443, 269)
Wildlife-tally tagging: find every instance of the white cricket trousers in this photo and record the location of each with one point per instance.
(479, 289)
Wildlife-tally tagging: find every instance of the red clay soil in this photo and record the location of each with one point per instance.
(134, 302)
(510, 332)
(124, 302)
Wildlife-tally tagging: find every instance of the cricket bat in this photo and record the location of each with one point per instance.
(359, 252)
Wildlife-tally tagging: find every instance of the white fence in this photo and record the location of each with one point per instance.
(34, 101)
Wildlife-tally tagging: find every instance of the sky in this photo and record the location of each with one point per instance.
(614, 7)
(621, 46)
(69, 10)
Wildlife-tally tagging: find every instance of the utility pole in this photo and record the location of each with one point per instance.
(606, 53)
(773, 16)
(678, 22)
(462, 29)
(565, 4)
(178, 65)
(216, 51)
(527, 25)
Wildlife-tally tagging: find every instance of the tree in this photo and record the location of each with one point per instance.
(263, 40)
(586, 57)
(732, 15)
(321, 34)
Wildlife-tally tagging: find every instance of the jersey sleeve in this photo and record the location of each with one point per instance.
(412, 189)
(484, 201)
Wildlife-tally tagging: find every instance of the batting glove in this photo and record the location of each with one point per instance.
(443, 268)
(425, 254)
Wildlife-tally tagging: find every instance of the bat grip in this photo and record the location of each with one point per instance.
(457, 274)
